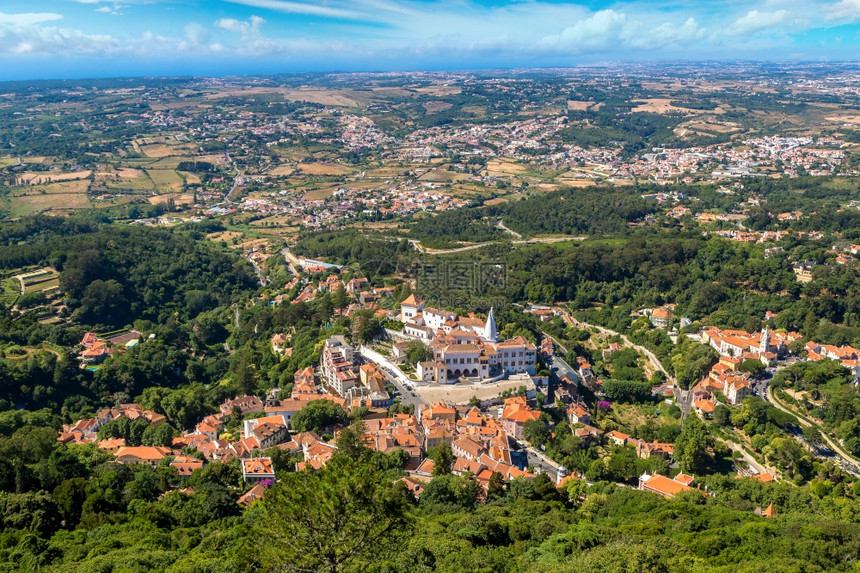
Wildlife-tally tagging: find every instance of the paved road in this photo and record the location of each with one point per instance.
(292, 260)
(684, 400)
(560, 368)
(239, 175)
(541, 462)
(510, 231)
(427, 251)
(407, 396)
(655, 363)
(259, 272)
(844, 459)
(748, 458)
(555, 342)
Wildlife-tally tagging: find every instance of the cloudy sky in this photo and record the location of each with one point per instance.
(92, 38)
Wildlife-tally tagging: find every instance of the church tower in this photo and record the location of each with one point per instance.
(490, 333)
(765, 340)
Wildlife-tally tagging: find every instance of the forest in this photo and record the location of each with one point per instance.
(112, 275)
(356, 515)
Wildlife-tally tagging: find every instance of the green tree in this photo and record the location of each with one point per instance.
(536, 432)
(722, 415)
(753, 367)
(343, 517)
(318, 414)
(417, 351)
(350, 441)
(160, 435)
(340, 299)
(443, 459)
(627, 390)
(691, 447)
(496, 486)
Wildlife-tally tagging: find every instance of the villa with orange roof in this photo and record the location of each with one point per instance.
(149, 455)
(257, 469)
(664, 486)
(515, 414)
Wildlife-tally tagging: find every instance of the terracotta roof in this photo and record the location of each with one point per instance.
(704, 405)
(427, 466)
(665, 486)
(252, 495)
(151, 453)
(412, 300)
(258, 466)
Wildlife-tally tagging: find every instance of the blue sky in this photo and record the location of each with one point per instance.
(92, 38)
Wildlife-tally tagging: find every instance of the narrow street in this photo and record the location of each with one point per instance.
(541, 462)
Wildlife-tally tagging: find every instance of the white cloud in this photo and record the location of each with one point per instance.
(116, 10)
(755, 21)
(385, 31)
(600, 31)
(28, 18)
(667, 34)
(247, 29)
(300, 8)
(54, 40)
(849, 9)
(609, 30)
(196, 33)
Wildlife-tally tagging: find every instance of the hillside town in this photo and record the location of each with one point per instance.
(485, 438)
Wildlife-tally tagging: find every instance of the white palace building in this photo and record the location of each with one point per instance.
(463, 347)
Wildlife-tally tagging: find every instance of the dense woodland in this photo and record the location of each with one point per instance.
(711, 279)
(354, 516)
(70, 508)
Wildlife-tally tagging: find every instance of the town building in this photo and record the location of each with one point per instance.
(337, 365)
(257, 469)
(667, 487)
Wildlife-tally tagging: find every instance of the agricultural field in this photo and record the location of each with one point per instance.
(10, 291)
(504, 168)
(317, 193)
(165, 181)
(40, 178)
(282, 171)
(54, 203)
(323, 169)
(178, 199)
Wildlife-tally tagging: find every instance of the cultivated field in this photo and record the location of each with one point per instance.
(282, 170)
(37, 178)
(497, 168)
(436, 106)
(76, 186)
(165, 181)
(159, 150)
(575, 105)
(664, 105)
(53, 202)
(442, 176)
(850, 119)
(320, 193)
(323, 169)
(178, 199)
(324, 97)
(439, 90)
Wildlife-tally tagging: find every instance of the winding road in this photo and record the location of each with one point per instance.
(652, 358)
(546, 240)
(847, 461)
